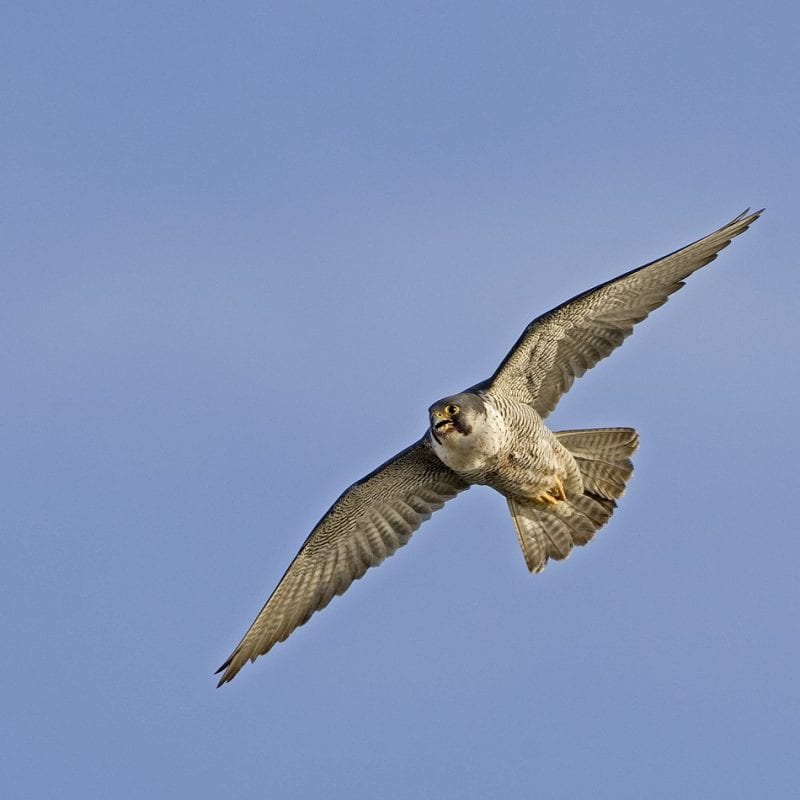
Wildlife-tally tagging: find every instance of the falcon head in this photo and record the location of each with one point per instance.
(456, 415)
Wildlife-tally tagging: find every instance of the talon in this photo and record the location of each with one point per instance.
(546, 499)
(554, 496)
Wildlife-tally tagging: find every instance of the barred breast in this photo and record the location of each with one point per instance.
(530, 457)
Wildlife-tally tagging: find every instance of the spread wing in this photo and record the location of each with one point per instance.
(365, 525)
(562, 344)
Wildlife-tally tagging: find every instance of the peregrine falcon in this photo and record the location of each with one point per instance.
(560, 486)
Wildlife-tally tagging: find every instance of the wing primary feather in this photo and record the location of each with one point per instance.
(367, 523)
(561, 345)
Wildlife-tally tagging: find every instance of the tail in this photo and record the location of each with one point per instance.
(551, 531)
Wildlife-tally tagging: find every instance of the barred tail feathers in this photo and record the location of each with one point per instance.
(603, 457)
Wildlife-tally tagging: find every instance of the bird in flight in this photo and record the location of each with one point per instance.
(561, 487)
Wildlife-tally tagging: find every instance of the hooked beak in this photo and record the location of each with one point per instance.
(441, 422)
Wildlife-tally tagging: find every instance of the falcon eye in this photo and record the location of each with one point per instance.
(452, 409)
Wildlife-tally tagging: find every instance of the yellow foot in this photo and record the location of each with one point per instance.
(554, 496)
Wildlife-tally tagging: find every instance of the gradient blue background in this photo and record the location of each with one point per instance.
(243, 247)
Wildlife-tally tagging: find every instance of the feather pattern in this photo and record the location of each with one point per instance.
(564, 343)
(368, 523)
(561, 487)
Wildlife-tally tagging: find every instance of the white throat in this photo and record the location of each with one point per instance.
(475, 450)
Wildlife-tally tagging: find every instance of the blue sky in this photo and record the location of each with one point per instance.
(244, 246)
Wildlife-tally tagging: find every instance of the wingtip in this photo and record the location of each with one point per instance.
(227, 677)
(747, 216)
(228, 673)
(740, 223)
